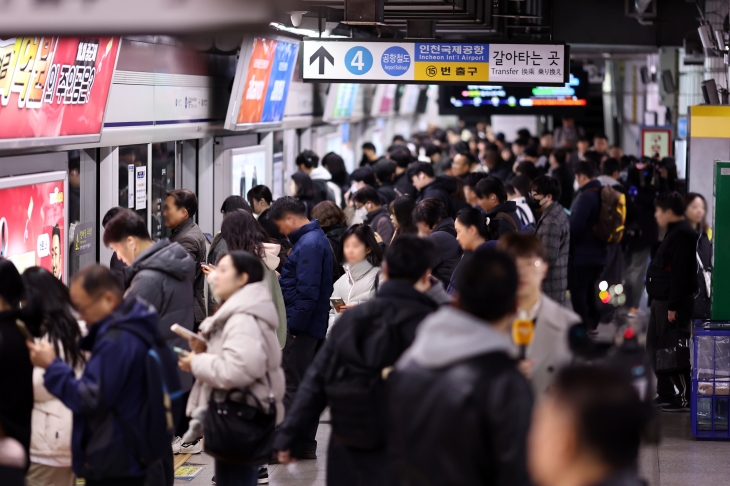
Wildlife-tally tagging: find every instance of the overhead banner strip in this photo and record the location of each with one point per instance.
(433, 62)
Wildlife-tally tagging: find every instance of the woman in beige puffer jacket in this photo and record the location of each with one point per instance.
(242, 349)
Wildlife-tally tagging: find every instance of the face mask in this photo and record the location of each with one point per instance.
(353, 188)
(576, 187)
(361, 213)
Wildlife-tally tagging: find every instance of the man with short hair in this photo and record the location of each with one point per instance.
(369, 155)
(260, 198)
(459, 407)
(436, 156)
(560, 171)
(388, 321)
(306, 283)
(385, 176)
(671, 282)
(465, 163)
(492, 197)
(109, 399)
(587, 431)
(567, 134)
(402, 158)
(600, 144)
(587, 250)
(553, 229)
(435, 225)
(422, 177)
(377, 216)
(308, 162)
(180, 208)
(470, 184)
(56, 258)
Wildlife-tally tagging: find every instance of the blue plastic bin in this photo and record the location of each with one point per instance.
(710, 398)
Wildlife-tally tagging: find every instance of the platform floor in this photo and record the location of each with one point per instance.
(679, 460)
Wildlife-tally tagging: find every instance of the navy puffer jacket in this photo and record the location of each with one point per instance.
(306, 281)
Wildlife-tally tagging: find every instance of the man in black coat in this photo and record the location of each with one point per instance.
(560, 170)
(492, 197)
(671, 282)
(435, 225)
(459, 407)
(443, 187)
(378, 216)
(368, 338)
(385, 175)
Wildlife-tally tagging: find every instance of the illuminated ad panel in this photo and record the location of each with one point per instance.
(32, 224)
(267, 82)
(54, 90)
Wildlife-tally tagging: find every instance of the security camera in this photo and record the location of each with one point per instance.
(296, 17)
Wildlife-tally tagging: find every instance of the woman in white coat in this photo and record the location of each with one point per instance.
(362, 256)
(549, 350)
(242, 349)
(52, 422)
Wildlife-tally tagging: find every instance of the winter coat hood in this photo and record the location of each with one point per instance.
(271, 255)
(320, 174)
(607, 181)
(166, 257)
(450, 336)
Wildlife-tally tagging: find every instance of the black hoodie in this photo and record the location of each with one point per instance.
(442, 188)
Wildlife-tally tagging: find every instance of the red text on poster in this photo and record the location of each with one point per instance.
(54, 86)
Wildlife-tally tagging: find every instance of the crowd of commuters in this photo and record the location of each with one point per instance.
(388, 295)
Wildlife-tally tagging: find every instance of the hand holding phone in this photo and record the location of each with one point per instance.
(186, 333)
(180, 351)
(337, 303)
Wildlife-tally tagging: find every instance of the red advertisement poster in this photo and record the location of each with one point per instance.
(257, 81)
(32, 226)
(54, 87)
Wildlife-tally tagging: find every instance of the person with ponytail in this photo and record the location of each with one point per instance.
(52, 422)
(473, 231)
(16, 401)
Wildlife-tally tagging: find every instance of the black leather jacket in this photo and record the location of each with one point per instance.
(465, 423)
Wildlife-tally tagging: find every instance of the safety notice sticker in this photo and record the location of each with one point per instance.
(433, 62)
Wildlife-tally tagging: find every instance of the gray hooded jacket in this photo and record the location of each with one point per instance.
(450, 335)
(163, 276)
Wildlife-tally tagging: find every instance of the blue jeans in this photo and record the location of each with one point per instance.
(227, 474)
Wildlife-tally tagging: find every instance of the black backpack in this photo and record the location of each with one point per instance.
(150, 437)
(356, 394)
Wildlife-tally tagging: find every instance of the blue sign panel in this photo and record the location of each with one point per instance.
(437, 52)
(279, 79)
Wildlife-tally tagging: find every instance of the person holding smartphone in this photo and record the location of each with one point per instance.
(362, 256)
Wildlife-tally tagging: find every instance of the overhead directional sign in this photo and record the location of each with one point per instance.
(406, 62)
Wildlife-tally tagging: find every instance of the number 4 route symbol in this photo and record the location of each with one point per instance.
(321, 54)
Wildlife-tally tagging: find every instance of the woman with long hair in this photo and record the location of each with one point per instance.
(696, 214)
(241, 352)
(401, 214)
(472, 232)
(336, 166)
(241, 232)
(16, 380)
(50, 444)
(362, 257)
(302, 188)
